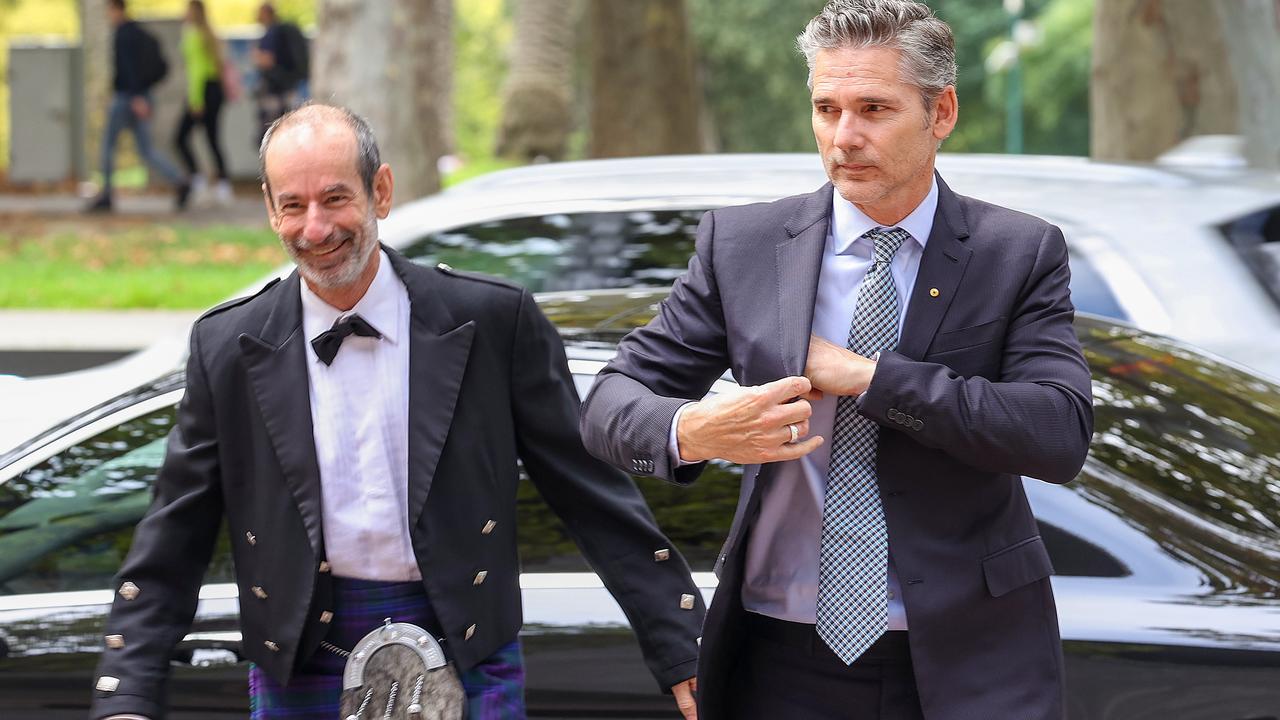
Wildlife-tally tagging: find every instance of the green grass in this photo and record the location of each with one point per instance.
(156, 266)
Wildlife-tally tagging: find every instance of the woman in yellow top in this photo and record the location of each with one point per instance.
(202, 57)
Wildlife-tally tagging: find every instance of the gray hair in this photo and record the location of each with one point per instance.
(368, 158)
(927, 46)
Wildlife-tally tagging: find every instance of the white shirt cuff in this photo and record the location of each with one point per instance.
(673, 442)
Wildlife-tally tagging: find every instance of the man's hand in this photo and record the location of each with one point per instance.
(750, 425)
(141, 108)
(684, 693)
(835, 370)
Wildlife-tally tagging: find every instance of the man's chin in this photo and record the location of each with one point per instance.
(858, 192)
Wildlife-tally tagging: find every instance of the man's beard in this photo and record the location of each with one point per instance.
(360, 252)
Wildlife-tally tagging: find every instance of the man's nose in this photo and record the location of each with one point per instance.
(850, 132)
(316, 224)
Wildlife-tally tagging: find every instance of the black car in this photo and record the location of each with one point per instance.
(1165, 549)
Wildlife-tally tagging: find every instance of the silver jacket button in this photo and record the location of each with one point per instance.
(470, 631)
(106, 683)
(129, 591)
(272, 646)
(662, 555)
(251, 538)
(326, 617)
(488, 527)
(686, 602)
(262, 594)
(480, 576)
(115, 642)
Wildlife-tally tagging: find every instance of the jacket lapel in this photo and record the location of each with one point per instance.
(799, 261)
(941, 267)
(438, 352)
(276, 363)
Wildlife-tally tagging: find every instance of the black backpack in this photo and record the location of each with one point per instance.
(297, 56)
(151, 63)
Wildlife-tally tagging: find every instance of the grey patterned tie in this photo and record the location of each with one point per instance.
(853, 603)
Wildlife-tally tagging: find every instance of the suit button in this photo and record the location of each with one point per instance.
(129, 591)
(917, 425)
(686, 602)
(470, 632)
(272, 646)
(893, 414)
(324, 566)
(480, 576)
(488, 527)
(106, 683)
(251, 538)
(326, 617)
(115, 642)
(262, 594)
(662, 555)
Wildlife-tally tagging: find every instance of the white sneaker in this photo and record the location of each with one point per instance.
(223, 193)
(199, 189)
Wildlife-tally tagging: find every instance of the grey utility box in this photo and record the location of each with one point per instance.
(46, 112)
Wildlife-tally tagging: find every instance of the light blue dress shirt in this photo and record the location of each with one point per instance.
(781, 578)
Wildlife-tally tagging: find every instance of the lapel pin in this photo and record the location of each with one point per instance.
(933, 292)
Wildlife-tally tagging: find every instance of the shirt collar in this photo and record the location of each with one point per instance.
(380, 305)
(849, 224)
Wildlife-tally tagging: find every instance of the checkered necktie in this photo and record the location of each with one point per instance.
(853, 603)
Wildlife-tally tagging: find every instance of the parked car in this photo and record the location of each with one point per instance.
(1179, 250)
(1166, 548)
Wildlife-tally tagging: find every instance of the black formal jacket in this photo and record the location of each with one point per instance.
(488, 382)
(988, 383)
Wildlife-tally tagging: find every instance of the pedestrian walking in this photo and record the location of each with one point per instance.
(202, 59)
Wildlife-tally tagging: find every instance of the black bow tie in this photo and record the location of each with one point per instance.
(329, 342)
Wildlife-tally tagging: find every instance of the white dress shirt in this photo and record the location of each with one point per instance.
(360, 419)
(781, 576)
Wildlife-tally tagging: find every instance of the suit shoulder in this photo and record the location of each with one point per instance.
(777, 211)
(985, 218)
(237, 302)
(477, 281)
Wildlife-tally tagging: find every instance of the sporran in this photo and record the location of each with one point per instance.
(399, 672)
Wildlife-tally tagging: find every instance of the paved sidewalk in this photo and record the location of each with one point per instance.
(246, 209)
(80, 330)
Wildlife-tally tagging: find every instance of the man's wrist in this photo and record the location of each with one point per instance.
(682, 445)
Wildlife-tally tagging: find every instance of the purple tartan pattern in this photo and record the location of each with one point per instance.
(495, 687)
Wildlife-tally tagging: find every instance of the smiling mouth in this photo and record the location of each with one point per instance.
(333, 249)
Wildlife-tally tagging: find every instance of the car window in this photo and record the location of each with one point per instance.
(1200, 433)
(66, 523)
(1256, 238)
(1089, 292)
(570, 251)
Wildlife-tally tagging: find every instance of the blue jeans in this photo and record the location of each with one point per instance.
(119, 117)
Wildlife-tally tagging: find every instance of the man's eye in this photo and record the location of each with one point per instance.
(875, 108)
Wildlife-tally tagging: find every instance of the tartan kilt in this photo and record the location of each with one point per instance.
(495, 687)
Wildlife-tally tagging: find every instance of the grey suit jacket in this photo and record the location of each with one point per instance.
(988, 383)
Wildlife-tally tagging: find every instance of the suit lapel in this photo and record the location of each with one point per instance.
(438, 352)
(276, 363)
(941, 267)
(799, 261)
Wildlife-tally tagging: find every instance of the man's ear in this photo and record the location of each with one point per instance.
(271, 208)
(383, 185)
(946, 111)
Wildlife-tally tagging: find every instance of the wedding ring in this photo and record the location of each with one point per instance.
(795, 432)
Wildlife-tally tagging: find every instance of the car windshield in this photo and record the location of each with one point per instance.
(631, 249)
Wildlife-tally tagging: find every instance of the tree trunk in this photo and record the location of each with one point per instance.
(537, 98)
(391, 61)
(1254, 29)
(645, 98)
(96, 66)
(1160, 75)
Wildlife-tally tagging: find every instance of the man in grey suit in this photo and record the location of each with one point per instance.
(906, 354)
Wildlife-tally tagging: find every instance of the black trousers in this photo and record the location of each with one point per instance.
(209, 118)
(787, 671)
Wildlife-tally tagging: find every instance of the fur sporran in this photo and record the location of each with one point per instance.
(399, 672)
